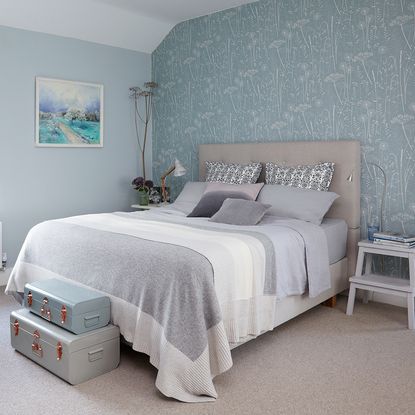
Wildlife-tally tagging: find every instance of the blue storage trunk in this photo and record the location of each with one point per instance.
(75, 358)
(74, 308)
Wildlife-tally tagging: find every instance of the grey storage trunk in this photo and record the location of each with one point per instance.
(74, 358)
(77, 309)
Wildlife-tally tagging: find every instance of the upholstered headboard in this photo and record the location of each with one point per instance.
(345, 154)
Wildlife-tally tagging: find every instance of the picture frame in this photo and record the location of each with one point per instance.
(69, 113)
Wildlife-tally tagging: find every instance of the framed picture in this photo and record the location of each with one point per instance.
(69, 114)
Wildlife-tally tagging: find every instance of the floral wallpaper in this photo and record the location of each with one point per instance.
(296, 70)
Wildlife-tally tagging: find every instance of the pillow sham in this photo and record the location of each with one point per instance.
(293, 202)
(218, 171)
(240, 212)
(216, 193)
(314, 177)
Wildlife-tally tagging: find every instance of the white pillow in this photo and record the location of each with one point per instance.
(293, 202)
(190, 196)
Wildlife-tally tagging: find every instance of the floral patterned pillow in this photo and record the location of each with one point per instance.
(315, 177)
(233, 173)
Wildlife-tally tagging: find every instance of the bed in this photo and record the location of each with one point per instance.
(346, 182)
(176, 296)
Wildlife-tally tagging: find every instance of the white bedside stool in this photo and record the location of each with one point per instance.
(380, 283)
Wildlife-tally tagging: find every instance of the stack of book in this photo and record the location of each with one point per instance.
(395, 239)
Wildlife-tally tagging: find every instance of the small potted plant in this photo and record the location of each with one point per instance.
(143, 187)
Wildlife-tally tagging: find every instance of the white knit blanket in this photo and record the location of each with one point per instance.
(230, 283)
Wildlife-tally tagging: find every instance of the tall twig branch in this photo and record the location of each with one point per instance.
(136, 93)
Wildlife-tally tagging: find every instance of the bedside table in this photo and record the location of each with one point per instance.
(149, 207)
(380, 283)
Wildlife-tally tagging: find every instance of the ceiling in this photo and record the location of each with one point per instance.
(132, 24)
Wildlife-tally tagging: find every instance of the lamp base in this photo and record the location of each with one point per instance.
(165, 197)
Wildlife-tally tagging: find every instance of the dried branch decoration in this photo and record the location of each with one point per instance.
(147, 93)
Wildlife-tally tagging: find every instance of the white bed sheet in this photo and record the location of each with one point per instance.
(336, 234)
(334, 229)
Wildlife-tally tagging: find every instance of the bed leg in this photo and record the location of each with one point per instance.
(331, 302)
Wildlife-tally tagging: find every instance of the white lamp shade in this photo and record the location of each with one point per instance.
(179, 170)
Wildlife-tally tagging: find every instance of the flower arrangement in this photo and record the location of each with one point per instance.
(142, 185)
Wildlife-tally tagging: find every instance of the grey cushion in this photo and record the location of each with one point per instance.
(251, 190)
(292, 202)
(240, 212)
(211, 202)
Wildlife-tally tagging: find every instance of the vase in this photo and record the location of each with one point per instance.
(143, 198)
(371, 230)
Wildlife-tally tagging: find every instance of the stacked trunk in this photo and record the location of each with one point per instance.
(64, 328)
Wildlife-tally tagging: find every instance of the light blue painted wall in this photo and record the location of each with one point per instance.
(296, 70)
(44, 183)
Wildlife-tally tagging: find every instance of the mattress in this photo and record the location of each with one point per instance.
(336, 234)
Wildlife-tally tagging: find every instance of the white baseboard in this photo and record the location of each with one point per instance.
(4, 276)
(382, 298)
(389, 299)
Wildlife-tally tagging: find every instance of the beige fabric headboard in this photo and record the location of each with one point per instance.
(345, 154)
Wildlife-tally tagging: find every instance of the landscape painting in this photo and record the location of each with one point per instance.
(68, 113)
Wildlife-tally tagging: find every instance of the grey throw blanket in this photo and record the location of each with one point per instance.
(171, 273)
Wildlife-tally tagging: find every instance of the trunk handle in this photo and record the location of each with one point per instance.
(91, 320)
(94, 355)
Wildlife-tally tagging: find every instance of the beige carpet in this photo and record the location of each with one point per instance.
(319, 363)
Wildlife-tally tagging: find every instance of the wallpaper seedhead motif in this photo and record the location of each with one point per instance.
(296, 70)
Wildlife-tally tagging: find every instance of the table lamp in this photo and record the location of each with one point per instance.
(178, 170)
(385, 183)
